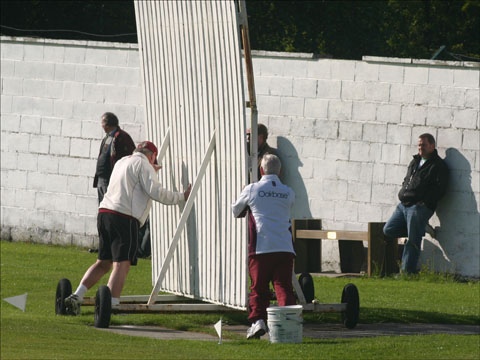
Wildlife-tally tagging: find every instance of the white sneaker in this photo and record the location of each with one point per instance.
(72, 305)
(256, 330)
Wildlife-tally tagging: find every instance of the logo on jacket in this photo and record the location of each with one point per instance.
(273, 194)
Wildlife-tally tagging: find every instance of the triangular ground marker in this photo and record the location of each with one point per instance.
(18, 301)
(218, 328)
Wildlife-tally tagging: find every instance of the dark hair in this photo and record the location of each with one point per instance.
(429, 137)
(262, 130)
(110, 119)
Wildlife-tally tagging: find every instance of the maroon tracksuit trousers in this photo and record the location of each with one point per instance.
(275, 267)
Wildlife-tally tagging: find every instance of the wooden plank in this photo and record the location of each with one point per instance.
(170, 307)
(90, 300)
(332, 235)
(376, 248)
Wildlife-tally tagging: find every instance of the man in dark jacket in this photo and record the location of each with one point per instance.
(115, 145)
(422, 188)
(263, 147)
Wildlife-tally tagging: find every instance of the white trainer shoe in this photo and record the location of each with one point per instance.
(256, 330)
(72, 305)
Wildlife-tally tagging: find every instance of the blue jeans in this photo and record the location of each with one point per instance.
(409, 222)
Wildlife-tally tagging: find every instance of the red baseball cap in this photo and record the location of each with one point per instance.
(149, 146)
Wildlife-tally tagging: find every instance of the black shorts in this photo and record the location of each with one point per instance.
(118, 237)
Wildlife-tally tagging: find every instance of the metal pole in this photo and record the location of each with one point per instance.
(251, 91)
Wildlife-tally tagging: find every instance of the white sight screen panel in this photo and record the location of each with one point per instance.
(190, 57)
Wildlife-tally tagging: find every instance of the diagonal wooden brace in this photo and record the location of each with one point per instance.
(164, 147)
(183, 219)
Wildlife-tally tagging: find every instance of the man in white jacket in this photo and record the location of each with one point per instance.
(270, 248)
(124, 208)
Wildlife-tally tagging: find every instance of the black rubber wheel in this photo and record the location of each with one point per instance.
(351, 298)
(103, 307)
(306, 284)
(64, 290)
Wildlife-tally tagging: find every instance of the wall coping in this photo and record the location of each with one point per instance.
(89, 43)
(255, 53)
(393, 60)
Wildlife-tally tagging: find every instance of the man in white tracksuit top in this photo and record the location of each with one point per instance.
(270, 251)
(124, 208)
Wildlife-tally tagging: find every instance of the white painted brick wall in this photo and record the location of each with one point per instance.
(376, 91)
(466, 78)
(426, 95)
(439, 116)
(450, 138)
(352, 90)
(416, 75)
(415, 115)
(388, 113)
(327, 89)
(317, 108)
(346, 131)
(465, 119)
(391, 73)
(454, 97)
(472, 99)
(342, 69)
(440, 76)
(52, 100)
(340, 110)
(279, 86)
(349, 130)
(365, 71)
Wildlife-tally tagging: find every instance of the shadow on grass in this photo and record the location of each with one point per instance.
(386, 315)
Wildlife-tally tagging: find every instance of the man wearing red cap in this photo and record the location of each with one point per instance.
(124, 208)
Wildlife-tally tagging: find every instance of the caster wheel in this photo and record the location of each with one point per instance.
(103, 307)
(350, 297)
(306, 283)
(64, 290)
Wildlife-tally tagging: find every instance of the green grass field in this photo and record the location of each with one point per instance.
(38, 333)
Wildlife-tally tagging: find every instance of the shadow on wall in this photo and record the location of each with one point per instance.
(291, 177)
(457, 244)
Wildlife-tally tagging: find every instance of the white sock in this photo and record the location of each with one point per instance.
(115, 301)
(81, 291)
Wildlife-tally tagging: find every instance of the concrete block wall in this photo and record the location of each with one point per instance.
(52, 96)
(346, 131)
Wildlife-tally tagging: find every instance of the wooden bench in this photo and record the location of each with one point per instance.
(381, 251)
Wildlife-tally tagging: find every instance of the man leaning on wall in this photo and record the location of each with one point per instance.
(263, 147)
(423, 186)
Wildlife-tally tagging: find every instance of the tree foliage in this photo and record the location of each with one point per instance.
(80, 17)
(342, 28)
(351, 29)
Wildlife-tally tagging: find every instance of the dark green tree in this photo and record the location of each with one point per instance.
(351, 29)
(103, 18)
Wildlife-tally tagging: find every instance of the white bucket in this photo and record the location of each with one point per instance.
(285, 324)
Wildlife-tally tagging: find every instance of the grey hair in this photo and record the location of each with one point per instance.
(144, 151)
(271, 164)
